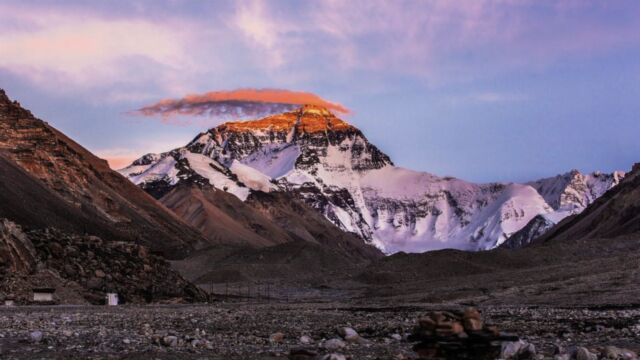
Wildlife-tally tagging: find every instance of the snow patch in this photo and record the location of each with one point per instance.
(210, 169)
(273, 160)
(251, 177)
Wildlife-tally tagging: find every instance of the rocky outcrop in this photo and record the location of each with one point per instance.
(460, 335)
(17, 254)
(533, 230)
(615, 214)
(86, 267)
(574, 191)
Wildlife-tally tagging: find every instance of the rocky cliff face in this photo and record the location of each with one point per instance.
(573, 192)
(331, 166)
(17, 254)
(614, 214)
(537, 227)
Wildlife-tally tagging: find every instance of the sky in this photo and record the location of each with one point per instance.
(483, 90)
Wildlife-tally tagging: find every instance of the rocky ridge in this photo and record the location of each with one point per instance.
(78, 182)
(616, 214)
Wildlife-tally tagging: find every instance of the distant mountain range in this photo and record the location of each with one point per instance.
(313, 156)
(590, 258)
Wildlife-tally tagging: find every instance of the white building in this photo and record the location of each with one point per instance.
(43, 294)
(112, 299)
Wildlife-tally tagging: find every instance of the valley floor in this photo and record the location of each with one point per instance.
(245, 330)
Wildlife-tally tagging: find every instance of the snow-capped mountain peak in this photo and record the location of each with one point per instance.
(329, 164)
(573, 191)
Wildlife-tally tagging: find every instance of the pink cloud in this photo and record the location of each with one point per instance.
(236, 104)
(73, 51)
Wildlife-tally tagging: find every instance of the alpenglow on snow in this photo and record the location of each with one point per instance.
(330, 165)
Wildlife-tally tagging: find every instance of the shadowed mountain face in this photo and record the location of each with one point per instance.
(533, 230)
(264, 219)
(223, 218)
(52, 181)
(268, 236)
(69, 222)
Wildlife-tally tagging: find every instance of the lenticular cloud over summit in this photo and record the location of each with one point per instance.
(241, 103)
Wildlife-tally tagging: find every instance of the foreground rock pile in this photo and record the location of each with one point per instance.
(84, 268)
(465, 335)
(459, 335)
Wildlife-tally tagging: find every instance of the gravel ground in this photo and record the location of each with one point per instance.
(250, 330)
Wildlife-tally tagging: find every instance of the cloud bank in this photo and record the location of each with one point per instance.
(240, 103)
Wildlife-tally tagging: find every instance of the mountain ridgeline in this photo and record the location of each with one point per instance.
(316, 158)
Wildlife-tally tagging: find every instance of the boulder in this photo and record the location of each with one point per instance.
(306, 340)
(517, 350)
(333, 357)
(36, 336)
(615, 353)
(276, 338)
(583, 353)
(170, 341)
(334, 344)
(349, 334)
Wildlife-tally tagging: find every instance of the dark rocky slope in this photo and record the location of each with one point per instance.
(302, 222)
(84, 268)
(222, 218)
(535, 228)
(270, 236)
(615, 214)
(69, 222)
(115, 208)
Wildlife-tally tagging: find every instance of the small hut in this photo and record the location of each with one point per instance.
(42, 295)
(112, 299)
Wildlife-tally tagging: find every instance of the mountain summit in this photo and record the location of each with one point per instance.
(308, 119)
(330, 165)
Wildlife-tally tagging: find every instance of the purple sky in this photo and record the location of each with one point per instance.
(483, 90)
